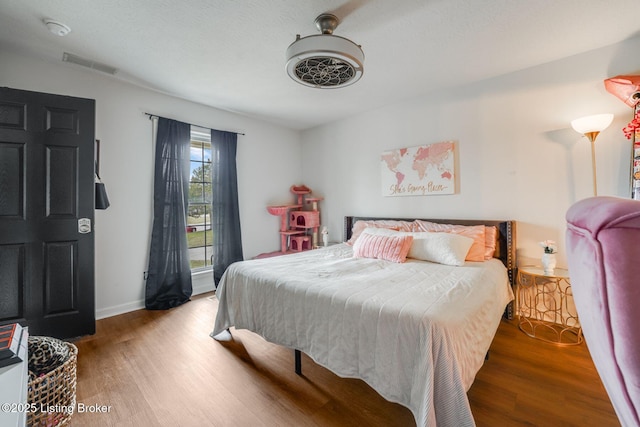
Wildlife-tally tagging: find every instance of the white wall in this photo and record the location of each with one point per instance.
(268, 164)
(518, 156)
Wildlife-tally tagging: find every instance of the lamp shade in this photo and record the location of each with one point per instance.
(595, 123)
(626, 88)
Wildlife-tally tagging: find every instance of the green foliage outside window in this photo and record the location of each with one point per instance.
(199, 233)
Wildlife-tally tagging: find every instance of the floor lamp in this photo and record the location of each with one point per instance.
(591, 126)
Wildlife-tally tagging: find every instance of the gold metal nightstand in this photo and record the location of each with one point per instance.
(545, 306)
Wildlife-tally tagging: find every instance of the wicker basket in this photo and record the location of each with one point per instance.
(52, 396)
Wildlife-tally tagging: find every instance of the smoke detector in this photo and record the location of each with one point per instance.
(325, 61)
(57, 28)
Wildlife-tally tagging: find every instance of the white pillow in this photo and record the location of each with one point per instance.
(443, 248)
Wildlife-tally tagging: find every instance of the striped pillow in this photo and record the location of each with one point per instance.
(390, 248)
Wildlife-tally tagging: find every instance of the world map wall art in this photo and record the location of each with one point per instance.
(425, 170)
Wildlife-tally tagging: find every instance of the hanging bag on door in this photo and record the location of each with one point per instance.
(102, 200)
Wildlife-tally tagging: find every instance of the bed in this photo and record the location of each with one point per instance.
(416, 331)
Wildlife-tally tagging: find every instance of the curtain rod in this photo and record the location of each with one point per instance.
(151, 116)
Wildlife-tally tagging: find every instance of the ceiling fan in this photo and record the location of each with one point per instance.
(325, 61)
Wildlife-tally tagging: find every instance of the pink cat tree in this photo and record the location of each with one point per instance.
(298, 227)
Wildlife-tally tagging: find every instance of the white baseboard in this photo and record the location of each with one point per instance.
(201, 282)
(119, 309)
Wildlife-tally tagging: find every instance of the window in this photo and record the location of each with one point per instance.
(199, 234)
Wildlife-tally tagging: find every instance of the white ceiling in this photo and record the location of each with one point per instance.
(230, 54)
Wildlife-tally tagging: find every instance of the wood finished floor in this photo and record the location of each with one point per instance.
(161, 368)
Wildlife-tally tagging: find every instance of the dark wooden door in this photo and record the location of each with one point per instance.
(47, 212)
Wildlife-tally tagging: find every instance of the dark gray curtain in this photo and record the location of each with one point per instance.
(227, 241)
(169, 272)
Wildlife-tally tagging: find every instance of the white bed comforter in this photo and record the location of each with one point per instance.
(416, 332)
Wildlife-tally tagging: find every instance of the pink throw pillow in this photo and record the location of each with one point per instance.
(390, 248)
(490, 241)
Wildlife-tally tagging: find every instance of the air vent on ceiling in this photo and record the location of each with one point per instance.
(325, 61)
(75, 59)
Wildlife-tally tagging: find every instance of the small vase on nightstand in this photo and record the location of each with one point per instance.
(548, 263)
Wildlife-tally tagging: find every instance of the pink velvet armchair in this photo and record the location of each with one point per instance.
(603, 252)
